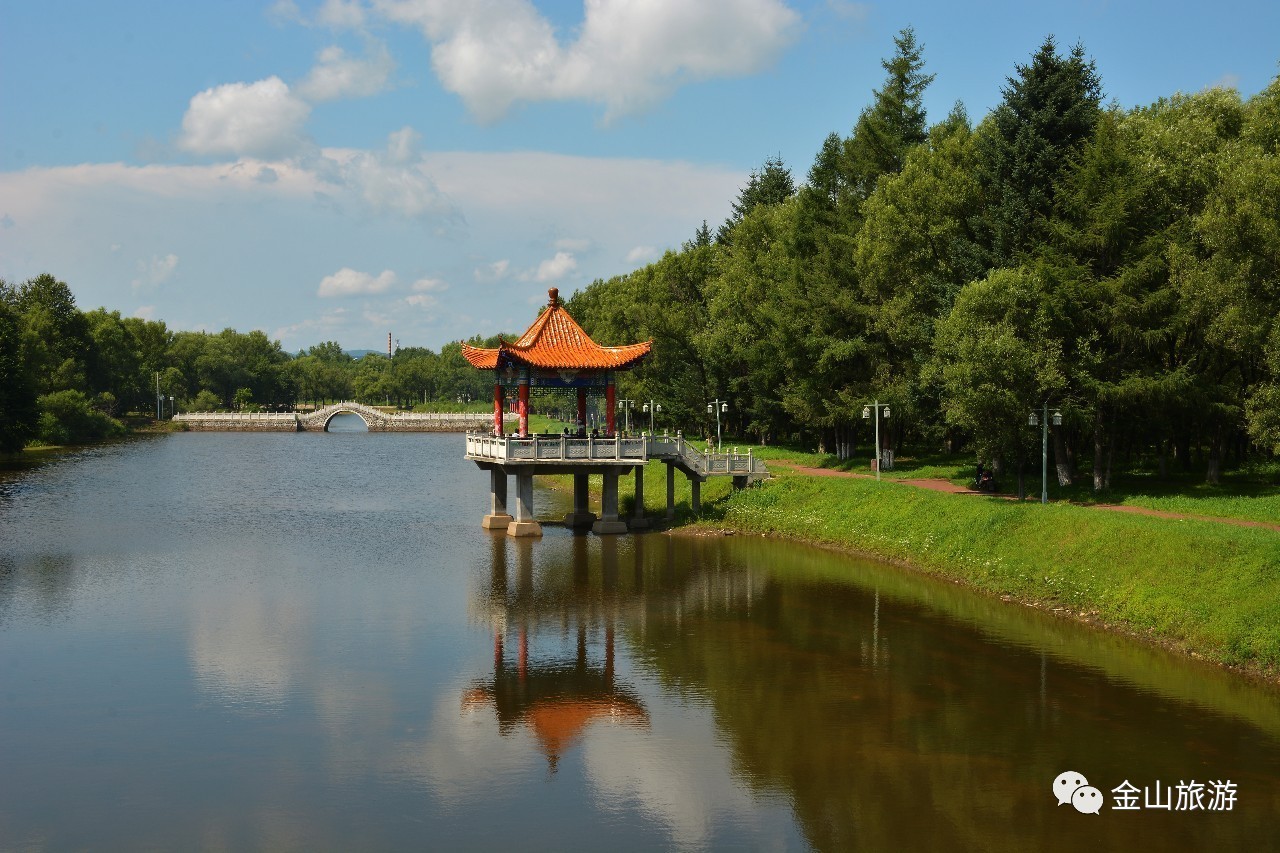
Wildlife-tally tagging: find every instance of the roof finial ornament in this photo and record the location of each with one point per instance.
(553, 297)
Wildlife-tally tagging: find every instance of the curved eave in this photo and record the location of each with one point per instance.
(485, 359)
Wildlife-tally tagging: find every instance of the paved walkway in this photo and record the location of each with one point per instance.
(951, 488)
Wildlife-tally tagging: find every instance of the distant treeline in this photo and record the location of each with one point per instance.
(66, 375)
(1121, 265)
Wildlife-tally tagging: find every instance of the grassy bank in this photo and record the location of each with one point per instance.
(1251, 494)
(1206, 587)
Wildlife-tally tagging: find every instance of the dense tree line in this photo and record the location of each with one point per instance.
(1121, 265)
(70, 376)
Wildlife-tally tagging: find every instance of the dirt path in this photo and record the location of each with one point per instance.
(952, 488)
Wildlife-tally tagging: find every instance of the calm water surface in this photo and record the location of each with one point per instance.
(307, 642)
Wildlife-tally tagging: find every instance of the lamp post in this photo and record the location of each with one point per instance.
(718, 406)
(1035, 419)
(866, 413)
(625, 407)
(652, 408)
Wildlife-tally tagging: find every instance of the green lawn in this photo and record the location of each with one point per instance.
(1251, 494)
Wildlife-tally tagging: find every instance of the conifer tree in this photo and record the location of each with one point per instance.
(1049, 111)
(895, 121)
(772, 184)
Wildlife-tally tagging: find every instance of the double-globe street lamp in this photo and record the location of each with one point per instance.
(718, 406)
(625, 406)
(866, 414)
(652, 408)
(1042, 420)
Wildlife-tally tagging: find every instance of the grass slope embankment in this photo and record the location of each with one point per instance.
(1204, 587)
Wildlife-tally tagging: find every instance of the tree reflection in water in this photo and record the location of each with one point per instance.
(876, 702)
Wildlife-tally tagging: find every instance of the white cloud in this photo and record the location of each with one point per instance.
(337, 75)
(516, 203)
(341, 14)
(641, 254)
(155, 271)
(285, 11)
(628, 55)
(394, 180)
(404, 146)
(422, 300)
(145, 312)
(495, 271)
(556, 268)
(429, 285)
(325, 325)
(573, 244)
(258, 119)
(349, 282)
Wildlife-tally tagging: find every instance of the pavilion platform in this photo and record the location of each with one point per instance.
(611, 459)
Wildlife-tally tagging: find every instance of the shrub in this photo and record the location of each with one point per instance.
(69, 417)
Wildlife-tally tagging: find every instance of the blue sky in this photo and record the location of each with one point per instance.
(338, 169)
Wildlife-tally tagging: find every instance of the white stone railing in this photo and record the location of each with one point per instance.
(235, 416)
(555, 448)
(564, 448)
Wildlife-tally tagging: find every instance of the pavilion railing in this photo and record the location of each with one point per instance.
(564, 448)
(555, 448)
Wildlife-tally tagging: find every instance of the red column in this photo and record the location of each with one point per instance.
(609, 395)
(524, 407)
(497, 408)
(582, 408)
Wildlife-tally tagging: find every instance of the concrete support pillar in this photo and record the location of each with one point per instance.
(638, 521)
(581, 516)
(696, 501)
(498, 517)
(524, 523)
(609, 521)
(671, 491)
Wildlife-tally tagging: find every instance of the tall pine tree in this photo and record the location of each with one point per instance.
(1049, 111)
(895, 121)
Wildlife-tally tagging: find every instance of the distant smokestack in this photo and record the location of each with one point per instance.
(388, 345)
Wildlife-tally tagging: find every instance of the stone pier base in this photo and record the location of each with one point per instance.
(524, 528)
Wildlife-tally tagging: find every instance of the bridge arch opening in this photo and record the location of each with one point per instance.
(346, 420)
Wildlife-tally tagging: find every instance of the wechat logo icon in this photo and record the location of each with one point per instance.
(1071, 787)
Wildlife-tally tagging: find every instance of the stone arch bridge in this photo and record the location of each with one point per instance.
(318, 421)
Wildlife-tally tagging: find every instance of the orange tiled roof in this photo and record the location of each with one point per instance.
(555, 341)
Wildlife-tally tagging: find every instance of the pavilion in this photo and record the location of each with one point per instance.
(555, 356)
(555, 353)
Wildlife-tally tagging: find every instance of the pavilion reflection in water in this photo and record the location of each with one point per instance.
(555, 696)
(557, 688)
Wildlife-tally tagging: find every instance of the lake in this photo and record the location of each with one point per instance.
(262, 641)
